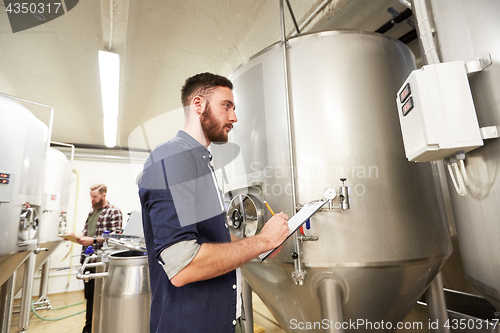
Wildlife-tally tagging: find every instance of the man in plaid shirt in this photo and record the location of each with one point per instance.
(103, 216)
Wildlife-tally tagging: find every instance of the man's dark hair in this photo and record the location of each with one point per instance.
(202, 85)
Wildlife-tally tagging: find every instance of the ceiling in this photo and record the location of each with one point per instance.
(160, 43)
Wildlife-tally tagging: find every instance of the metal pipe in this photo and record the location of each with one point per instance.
(51, 119)
(293, 17)
(101, 157)
(425, 32)
(81, 275)
(44, 280)
(74, 225)
(331, 302)
(51, 124)
(98, 291)
(6, 302)
(246, 293)
(311, 17)
(67, 145)
(111, 21)
(298, 275)
(434, 296)
(90, 276)
(287, 106)
(297, 261)
(86, 263)
(48, 307)
(29, 274)
(96, 264)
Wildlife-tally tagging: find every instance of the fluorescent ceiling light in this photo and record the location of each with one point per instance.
(110, 126)
(109, 70)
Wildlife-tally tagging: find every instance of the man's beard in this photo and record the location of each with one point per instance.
(212, 128)
(98, 205)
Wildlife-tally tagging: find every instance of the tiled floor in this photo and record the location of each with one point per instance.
(74, 324)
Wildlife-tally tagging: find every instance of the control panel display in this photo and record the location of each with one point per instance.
(7, 181)
(407, 106)
(4, 178)
(403, 95)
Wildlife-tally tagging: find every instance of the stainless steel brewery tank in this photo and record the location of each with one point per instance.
(55, 200)
(55, 195)
(23, 146)
(469, 30)
(382, 253)
(126, 296)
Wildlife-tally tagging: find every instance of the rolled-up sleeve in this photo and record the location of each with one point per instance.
(178, 256)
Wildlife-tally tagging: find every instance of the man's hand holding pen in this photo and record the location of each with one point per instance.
(275, 231)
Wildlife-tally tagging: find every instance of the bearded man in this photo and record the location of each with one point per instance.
(103, 216)
(193, 260)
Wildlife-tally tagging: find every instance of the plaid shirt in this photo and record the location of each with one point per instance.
(110, 219)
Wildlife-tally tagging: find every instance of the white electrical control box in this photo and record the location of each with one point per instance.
(437, 114)
(7, 179)
(52, 201)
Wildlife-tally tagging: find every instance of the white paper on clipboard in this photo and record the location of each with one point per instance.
(297, 220)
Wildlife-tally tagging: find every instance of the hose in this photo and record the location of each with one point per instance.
(63, 307)
(460, 186)
(464, 172)
(74, 225)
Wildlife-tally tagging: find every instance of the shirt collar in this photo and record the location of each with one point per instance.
(203, 152)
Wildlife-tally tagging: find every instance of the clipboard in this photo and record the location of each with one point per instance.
(72, 238)
(296, 221)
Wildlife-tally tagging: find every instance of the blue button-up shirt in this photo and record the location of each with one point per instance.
(181, 202)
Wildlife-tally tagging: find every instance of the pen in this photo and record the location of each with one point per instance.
(267, 205)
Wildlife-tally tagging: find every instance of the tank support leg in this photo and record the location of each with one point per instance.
(43, 302)
(331, 298)
(436, 304)
(6, 302)
(97, 319)
(44, 282)
(247, 305)
(29, 275)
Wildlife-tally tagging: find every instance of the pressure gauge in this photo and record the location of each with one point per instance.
(329, 193)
